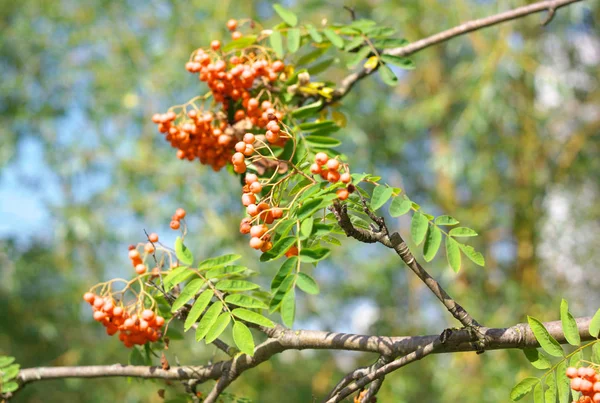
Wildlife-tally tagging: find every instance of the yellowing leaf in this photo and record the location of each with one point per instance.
(371, 62)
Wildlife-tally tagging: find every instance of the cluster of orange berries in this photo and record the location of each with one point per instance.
(258, 212)
(202, 136)
(329, 168)
(587, 381)
(245, 148)
(133, 329)
(176, 219)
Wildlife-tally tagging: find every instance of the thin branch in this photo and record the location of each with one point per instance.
(551, 6)
(395, 242)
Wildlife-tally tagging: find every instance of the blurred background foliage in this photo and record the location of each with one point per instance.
(499, 128)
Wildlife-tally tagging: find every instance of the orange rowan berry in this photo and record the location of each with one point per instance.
(252, 210)
(232, 24)
(576, 384)
(333, 164)
(99, 315)
(249, 138)
(293, 251)
(571, 372)
(159, 321)
(117, 311)
(255, 187)
(333, 176)
(250, 178)
(249, 150)
(98, 302)
(134, 254)
(239, 168)
(140, 268)
(315, 169)
(148, 314)
(238, 158)
(149, 248)
(215, 45)
(277, 212)
(321, 158)
(240, 147)
(342, 194)
(586, 387)
(346, 178)
(89, 297)
(267, 246)
(248, 199)
(131, 247)
(175, 225)
(258, 230)
(236, 35)
(153, 237)
(180, 213)
(256, 243)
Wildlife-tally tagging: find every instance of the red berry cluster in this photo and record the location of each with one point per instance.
(133, 329)
(587, 381)
(261, 214)
(329, 168)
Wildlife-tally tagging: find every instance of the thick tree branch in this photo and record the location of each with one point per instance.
(551, 6)
(518, 336)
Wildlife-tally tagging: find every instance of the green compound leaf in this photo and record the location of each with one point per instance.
(9, 387)
(6, 361)
(418, 227)
(472, 254)
(184, 255)
(334, 38)
(595, 324)
(187, 293)
(243, 338)
(235, 285)
(547, 342)
(402, 62)
(551, 391)
(276, 41)
(218, 327)
(400, 206)
(176, 276)
(225, 271)
(314, 34)
(245, 301)
(537, 358)
(453, 254)
(199, 306)
(253, 317)
(278, 295)
(286, 15)
(288, 308)
(314, 254)
(538, 393)
(446, 220)
(381, 194)
(388, 76)
(522, 388)
(283, 271)
(433, 240)
(219, 261)
(563, 383)
(307, 284)
(569, 324)
(293, 40)
(208, 320)
(462, 231)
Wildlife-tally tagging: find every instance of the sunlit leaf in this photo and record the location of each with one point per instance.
(433, 240)
(547, 342)
(314, 34)
(288, 308)
(199, 306)
(243, 338)
(399, 206)
(446, 220)
(253, 317)
(276, 41)
(522, 388)
(184, 255)
(208, 320)
(418, 227)
(235, 285)
(311, 255)
(187, 293)
(245, 301)
(537, 358)
(334, 38)
(307, 284)
(569, 324)
(289, 17)
(387, 75)
(293, 40)
(402, 62)
(218, 327)
(462, 231)
(453, 254)
(595, 325)
(381, 194)
(219, 261)
(472, 254)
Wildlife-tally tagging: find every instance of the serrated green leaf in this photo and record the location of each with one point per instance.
(576, 358)
(208, 320)
(322, 141)
(176, 276)
(218, 327)
(381, 194)
(253, 317)
(307, 110)
(293, 40)
(243, 338)
(462, 231)
(357, 57)
(235, 285)
(472, 254)
(547, 342)
(569, 325)
(241, 43)
(563, 383)
(399, 206)
(225, 271)
(279, 249)
(402, 62)
(537, 358)
(284, 270)
(276, 41)
(307, 284)
(418, 227)
(311, 255)
(245, 301)
(309, 208)
(595, 325)
(306, 227)
(6, 361)
(286, 15)
(288, 308)
(334, 38)
(184, 255)
(453, 254)
(9, 387)
(388, 76)
(433, 240)
(278, 295)
(446, 220)
(314, 34)
(9, 372)
(538, 393)
(522, 388)
(219, 261)
(199, 306)
(187, 293)
(551, 391)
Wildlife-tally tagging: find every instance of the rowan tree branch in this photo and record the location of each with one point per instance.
(551, 6)
(518, 336)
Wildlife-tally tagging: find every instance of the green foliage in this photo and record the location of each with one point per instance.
(8, 374)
